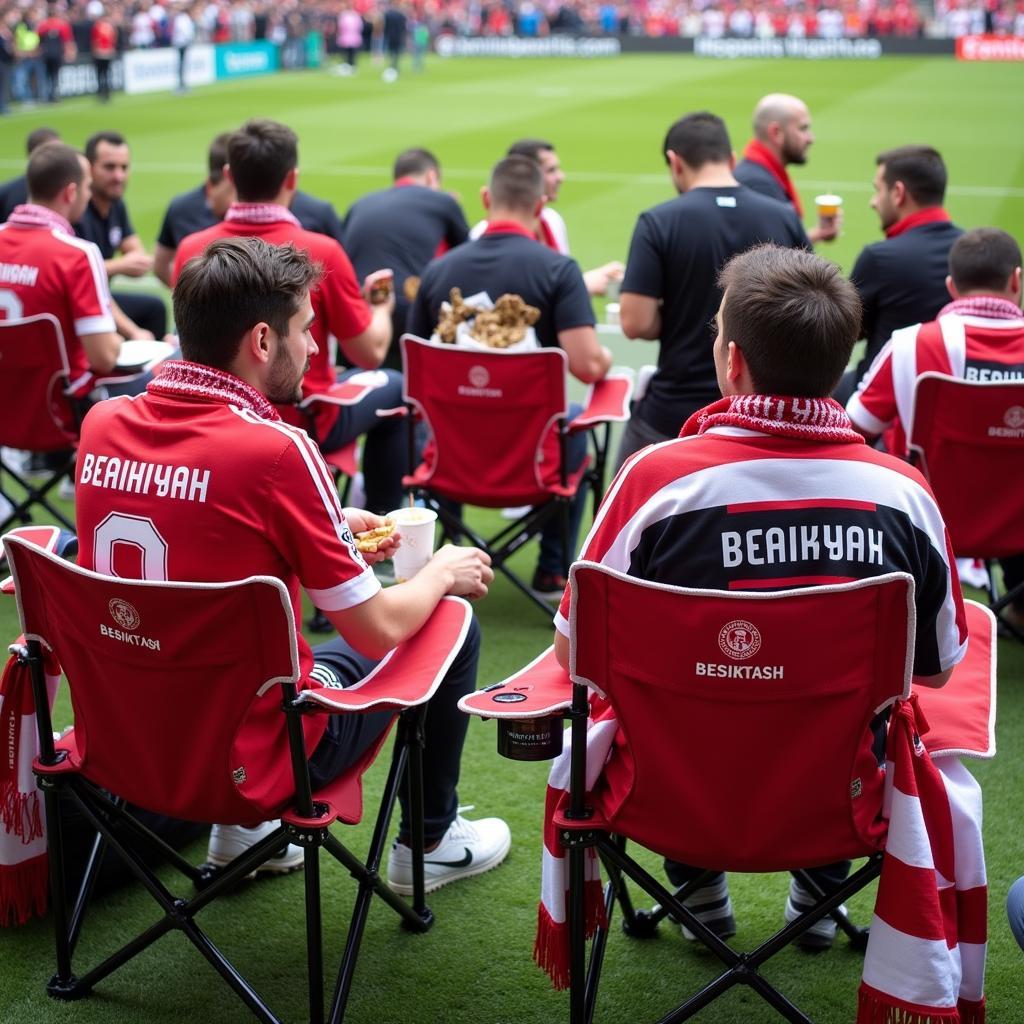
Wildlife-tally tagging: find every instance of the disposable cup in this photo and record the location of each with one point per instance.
(612, 313)
(828, 205)
(416, 526)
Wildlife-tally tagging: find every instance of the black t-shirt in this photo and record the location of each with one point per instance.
(902, 281)
(12, 193)
(403, 228)
(677, 250)
(186, 214)
(760, 179)
(316, 215)
(501, 263)
(107, 232)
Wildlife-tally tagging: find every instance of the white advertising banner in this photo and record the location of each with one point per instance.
(157, 70)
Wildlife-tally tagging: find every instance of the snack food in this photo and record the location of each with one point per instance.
(501, 327)
(367, 541)
(379, 286)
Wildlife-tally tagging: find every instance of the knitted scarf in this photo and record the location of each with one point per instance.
(991, 307)
(261, 213)
(24, 877)
(812, 419)
(193, 380)
(931, 215)
(758, 153)
(30, 215)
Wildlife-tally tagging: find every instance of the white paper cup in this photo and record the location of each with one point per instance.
(612, 314)
(416, 525)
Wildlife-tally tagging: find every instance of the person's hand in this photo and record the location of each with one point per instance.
(359, 519)
(134, 264)
(137, 333)
(828, 228)
(598, 279)
(470, 568)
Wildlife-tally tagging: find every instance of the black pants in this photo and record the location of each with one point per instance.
(51, 69)
(102, 65)
(349, 736)
(148, 311)
(1013, 574)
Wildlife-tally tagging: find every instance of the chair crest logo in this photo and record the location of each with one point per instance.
(739, 639)
(1014, 417)
(124, 614)
(480, 378)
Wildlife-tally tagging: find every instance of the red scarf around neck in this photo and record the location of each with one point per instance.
(261, 213)
(810, 419)
(31, 215)
(758, 153)
(991, 307)
(193, 380)
(933, 215)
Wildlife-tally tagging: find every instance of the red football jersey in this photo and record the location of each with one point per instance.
(48, 271)
(205, 490)
(338, 304)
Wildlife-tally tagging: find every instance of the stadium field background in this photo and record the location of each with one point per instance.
(607, 118)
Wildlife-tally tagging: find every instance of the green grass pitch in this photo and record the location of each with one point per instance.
(608, 118)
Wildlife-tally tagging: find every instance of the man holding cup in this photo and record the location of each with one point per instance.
(782, 136)
(255, 498)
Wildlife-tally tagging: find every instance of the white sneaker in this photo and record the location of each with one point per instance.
(228, 841)
(468, 848)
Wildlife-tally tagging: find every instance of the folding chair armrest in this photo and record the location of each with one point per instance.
(350, 391)
(607, 402)
(411, 673)
(49, 538)
(538, 690)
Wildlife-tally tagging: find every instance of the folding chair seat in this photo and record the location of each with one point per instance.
(161, 676)
(498, 430)
(968, 439)
(730, 731)
(38, 416)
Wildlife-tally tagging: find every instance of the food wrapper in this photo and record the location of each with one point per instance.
(464, 330)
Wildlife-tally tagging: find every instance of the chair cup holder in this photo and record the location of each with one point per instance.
(530, 739)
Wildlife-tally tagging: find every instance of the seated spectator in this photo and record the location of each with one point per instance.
(977, 336)
(775, 458)
(263, 164)
(1015, 910)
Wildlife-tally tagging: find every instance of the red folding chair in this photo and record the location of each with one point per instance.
(161, 676)
(744, 744)
(498, 429)
(38, 416)
(968, 438)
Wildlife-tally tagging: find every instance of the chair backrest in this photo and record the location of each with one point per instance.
(33, 377)
(969, 437)
(490, 414)
(161, 676)
(746, 716)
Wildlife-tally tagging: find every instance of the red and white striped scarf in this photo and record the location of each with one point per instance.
(194, 380)
(991, 307)
(31, 215)
(24, 877)
(261, 213)
(925, 961)
(814, 419)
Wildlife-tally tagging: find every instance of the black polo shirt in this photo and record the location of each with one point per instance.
(902, 281)
(107, 232)
(404, 228)
(12, 193)
(506, 262)
(677, 250)
(760, 179)
(186, 214)
(316, 215)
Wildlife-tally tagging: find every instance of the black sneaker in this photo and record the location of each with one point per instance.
(549, 585)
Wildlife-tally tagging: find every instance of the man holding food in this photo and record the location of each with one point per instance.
(200, 480)
(506, 260)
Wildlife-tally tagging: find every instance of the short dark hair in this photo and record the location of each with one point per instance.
(50, 168)
(983, 260)
(699, 138)
(36, 138)
(233, 285)
(920, 168)
(531, 148)
(415, 161)
(517, 183)
(217, 158)
(794, 317)
(93, 143)
(261, 154)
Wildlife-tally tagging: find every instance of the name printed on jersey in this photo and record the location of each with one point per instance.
(18, 273)
(134, 477)
(985, 373)
(807, 543)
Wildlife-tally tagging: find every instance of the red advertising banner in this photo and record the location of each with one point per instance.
(990, 48)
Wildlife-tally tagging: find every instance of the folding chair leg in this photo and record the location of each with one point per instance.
(314, 934)
(577, 937)
(63, 985)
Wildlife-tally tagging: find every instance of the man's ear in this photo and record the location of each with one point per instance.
(485, 196)
(1014, 284)
(735, 364)
(256, 343)
(951, 288)
(899, 193)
